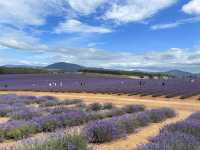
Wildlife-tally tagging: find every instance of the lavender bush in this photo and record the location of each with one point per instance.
(67, 142)
(26, 113)
(8, 98)
(51, 122)
(102, 131)
(183, 135)
(191, 127)
(5, 109)
(134, 108)
(172, 141)
(163, 113)
(108, 106)
(70, 102)
(16, 129)
(58, 110)
(95, 107)
(53, 141)
(96, 132)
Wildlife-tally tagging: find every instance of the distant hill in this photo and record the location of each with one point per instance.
(181, 74)
(66, 67)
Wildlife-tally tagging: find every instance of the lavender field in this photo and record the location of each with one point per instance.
(100, 84)
(93, 123)
(182, 135)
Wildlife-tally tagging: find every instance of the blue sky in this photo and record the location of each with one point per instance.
(154, 35)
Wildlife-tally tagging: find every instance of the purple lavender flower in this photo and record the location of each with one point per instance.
(116, 127)
(102, 131)
(188, 126)
(5, 109)
(26, 113)
(16, 129)
(134, 108)
(172, 141)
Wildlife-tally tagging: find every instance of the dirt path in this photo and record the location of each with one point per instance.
(150, 102)
(183, 107)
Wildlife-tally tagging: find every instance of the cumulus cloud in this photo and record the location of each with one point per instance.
(28, 12)
(16, 14)
(154, 61)
(136, 10)
(16, 39)
(193, 7)
(85, 6)
(72, 25)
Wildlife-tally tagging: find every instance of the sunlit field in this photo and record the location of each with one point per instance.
(95, 112)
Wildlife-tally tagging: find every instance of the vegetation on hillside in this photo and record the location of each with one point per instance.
(129, 73)
(7, 70)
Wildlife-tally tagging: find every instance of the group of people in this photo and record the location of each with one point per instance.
(55, 84)
(142, 83)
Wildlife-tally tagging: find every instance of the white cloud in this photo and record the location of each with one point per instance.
(175, 24)
(172, 58)
(16, 39)
(136, 10)
(72, 25)
(193, 7)
(85, 6)
(27, 12)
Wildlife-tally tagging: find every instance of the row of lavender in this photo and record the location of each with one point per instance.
(184, 135)
(26, 119)
(95, 132)
(106, 130)
(86, 83)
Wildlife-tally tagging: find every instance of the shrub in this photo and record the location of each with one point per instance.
(191, 127)
(8, 98)
(182, 135)
(108, 129)
(195, 116)
(4, 110)
(74, 118)
(58, 110)
(108, 106)
(47, 123)
(53, 121)
(25, 113)
(172, 141)
(95, 107)
(49, 103)
(115, 112)
(157, 115)
(102, 131)
(56, 141)
(128, 123)
(81, 105)
(143, 119)
(70, 102)
(134, 108)
(96, 115)
(16, 130)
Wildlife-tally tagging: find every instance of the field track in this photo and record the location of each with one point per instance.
(190, 104)
(183, 107)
